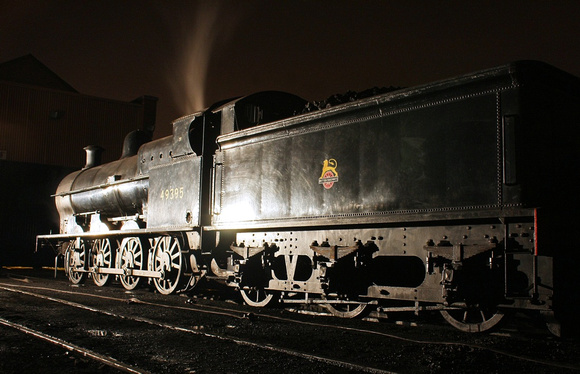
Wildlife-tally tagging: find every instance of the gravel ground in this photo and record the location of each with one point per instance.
(395, 347)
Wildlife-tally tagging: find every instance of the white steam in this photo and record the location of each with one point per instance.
(195, 40)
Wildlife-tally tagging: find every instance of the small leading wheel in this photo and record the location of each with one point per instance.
(346, 310)
(102, 257)
(131, 258)
(168, 260)
(257, 297)
(75, 262)
(473, 319)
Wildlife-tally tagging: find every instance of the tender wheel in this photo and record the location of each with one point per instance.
(473, 319)
(346, 310)
(75, 262)
(258, 297)
(552, 323)
(131, 257)
(168, 260)
(102, 257)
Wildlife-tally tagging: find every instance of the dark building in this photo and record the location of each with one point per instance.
(44, 125)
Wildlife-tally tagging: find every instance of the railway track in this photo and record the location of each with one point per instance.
(195, 331)
(170, 335)
(111, 362)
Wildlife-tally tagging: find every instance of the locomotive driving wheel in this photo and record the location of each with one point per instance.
(257, 297)
(75, 262)
(168, 260)
(131, 257)
(102, 257)
(474, 318)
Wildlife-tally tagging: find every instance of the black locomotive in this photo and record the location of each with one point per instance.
(457, 196)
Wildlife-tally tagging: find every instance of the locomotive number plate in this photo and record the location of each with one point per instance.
(172, 193)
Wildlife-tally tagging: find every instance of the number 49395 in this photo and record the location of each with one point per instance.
(172, 193)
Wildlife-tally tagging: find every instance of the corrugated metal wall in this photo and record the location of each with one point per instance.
(49, 127)
(27, 210)
(42, 135)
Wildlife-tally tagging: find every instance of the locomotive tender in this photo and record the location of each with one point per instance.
(454, 196)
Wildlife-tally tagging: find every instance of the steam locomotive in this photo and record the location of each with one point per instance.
(457, 196)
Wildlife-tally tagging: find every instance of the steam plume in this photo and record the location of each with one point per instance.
(198, 34)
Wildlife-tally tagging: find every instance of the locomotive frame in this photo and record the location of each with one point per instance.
(453, 196)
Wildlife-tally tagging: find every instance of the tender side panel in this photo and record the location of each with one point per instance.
(430, 157)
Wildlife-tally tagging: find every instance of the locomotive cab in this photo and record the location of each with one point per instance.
(256, 109)
(230, 116)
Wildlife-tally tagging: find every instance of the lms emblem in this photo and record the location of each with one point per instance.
(329, 173)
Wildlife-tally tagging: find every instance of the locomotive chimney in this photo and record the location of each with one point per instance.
(94, 153)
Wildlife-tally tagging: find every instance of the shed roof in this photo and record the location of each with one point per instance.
(29, 70)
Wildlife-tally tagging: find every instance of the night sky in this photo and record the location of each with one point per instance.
(192, 53)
